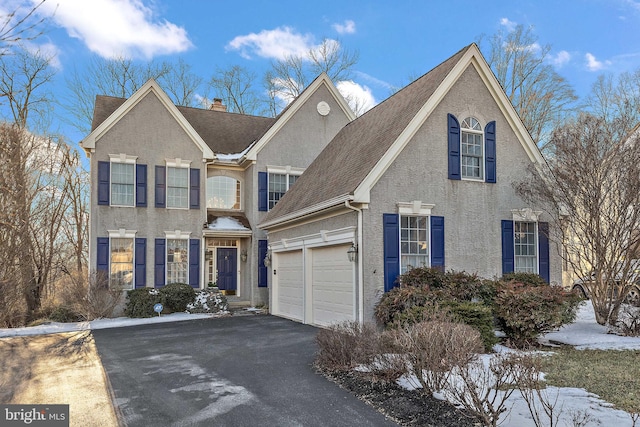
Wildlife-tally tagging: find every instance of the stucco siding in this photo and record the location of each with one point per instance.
(472, 210)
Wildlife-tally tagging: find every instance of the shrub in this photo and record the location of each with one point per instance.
(398, 301)
(343, 346)
(531, 279)
(208, 302)
(90, 298)
(524, 311)
(176, 296)
(64, 315)
(430, 278)
(433, 349)
(140, 302)
(478, 316)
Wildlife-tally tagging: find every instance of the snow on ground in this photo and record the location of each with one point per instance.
(56, 327)
(584, 333)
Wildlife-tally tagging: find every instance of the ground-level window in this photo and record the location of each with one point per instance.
(177, 187)
(414, 242)
(121, 263)
(525, 244)
(279, 183)
(177, 261)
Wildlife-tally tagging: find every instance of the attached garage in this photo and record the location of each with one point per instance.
(332, 287)
(288, 298)
(314, 285)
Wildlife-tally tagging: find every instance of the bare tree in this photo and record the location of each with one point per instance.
(539, 94)
(121, 77)
(592, 192)
(20, 25)
(617, 100)
(236, 86)
(288, 77)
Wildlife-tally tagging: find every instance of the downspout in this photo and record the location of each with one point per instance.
(347, 203)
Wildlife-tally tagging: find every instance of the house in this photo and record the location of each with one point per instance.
(424, 178)
(177, 192)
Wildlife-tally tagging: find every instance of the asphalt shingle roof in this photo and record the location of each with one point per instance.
(223, 132)
(355, 150)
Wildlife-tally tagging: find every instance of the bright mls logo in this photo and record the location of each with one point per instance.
(36, 415)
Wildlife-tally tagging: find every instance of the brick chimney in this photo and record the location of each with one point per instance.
(218, 105)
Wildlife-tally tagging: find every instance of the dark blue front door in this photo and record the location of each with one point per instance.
(227, 266)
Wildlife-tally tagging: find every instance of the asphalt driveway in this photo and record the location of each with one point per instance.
(235, 371)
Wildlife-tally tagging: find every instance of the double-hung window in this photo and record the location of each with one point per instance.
(279, 183)
(121, 263)
(525, 244)
(177, 261)
(414, 242)
(122, 184)
(177, 187)
(471, 149)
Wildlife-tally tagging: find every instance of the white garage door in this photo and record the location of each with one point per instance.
(332, 285)
(289, 281)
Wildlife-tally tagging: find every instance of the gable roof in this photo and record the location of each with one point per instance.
(294, 106)
(360, 153)
(220, 131)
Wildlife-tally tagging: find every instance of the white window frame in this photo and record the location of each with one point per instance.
(176, 235)
(287, 171)
(237, 192)
(129, 235)
(122, 158)
(177, 164)
(471, 129)
(526, 216)
(415, 209)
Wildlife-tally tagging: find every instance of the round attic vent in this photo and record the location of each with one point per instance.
(323, 108)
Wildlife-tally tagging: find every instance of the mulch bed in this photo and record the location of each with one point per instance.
(407, 408)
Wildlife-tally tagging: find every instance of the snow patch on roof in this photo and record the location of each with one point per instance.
(234, 156)
(226, 223)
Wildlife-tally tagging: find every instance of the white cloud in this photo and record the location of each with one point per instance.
(509, 25)
(278, 44)
(349, 27)
(561, 58)
(593, 64)
(117, 27)
(359, 98)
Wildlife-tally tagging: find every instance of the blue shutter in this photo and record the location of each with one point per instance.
(141, 186)
(194, 188)
(140, 262)
(161, 187)
(102, 256)
(391, 242)
(159, 265)
(454, 146)
(543, 250)
(263, 201)
(262, 269)
(103, 183)
(490, 152)
(437, 242)
(194, 263)
(507, 247)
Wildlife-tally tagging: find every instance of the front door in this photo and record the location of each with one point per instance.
(227, 266)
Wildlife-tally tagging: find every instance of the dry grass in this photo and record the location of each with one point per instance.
(613, 375)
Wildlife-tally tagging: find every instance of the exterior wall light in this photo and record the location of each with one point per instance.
(243, 255)
(352, 253)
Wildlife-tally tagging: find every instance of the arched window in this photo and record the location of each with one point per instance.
(223, 192)
(471, 148)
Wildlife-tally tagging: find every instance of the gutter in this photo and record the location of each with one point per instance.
(310, 211)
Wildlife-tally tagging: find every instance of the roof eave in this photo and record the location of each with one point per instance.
(308, 212)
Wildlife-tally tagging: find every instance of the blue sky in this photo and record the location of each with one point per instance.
(395, 40)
